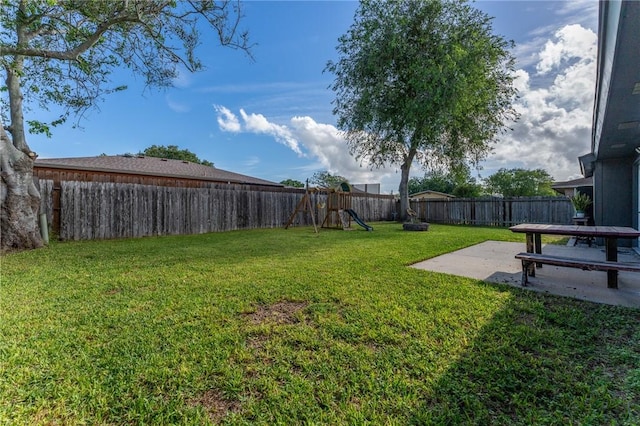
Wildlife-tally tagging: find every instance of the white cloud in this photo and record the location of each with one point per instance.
(227, 120)
(251, 161)
(176, 106)
(327, 145)
(183, 78)
(573, 41)
(521, 82)
(555, 122)
(274, 87)
(258, 123)
(323, 145)
(583, 12)
(580, 13)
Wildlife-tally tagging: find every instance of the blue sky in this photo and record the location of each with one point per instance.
(271, 117)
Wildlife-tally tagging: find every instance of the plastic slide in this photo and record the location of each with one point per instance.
(359, 221)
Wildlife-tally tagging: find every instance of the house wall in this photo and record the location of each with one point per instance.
(613, 192)
(570, 192)
(635, 196)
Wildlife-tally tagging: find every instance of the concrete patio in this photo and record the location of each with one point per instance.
(494, 261)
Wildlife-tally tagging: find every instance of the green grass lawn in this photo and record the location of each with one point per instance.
(289, 327)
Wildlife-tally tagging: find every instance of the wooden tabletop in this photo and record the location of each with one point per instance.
(578, 230)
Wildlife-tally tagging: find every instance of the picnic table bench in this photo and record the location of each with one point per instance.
(534, 258)
(529, 259)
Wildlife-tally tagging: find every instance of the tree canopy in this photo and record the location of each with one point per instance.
(293, 183)
(520, 183)
(63, 53)
(470, 189)
(326, 179)
(460, 184)
(423, 81)
(432, 181)
(174, 153)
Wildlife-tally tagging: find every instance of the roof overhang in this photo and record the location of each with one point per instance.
(616, 117)
(575, 183)
(586, 164)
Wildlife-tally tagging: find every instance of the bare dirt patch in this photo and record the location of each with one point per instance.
(215, 404)
(278, 313)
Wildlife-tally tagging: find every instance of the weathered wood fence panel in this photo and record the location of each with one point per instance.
(46, 199)
(492, 211)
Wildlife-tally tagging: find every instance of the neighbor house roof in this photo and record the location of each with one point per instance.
(430, 192)
(150, 166)
(576, 183)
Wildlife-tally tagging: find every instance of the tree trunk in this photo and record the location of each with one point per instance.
(405, 168)
(19, 199)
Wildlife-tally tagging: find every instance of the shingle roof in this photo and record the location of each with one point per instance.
(428, 191)
(588, 181)
(150, 166)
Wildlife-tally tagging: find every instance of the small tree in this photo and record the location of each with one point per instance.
(293, 183)
(326, 180)
(172, 152)
(520, 183)
(63, 53)
(432, 181)
(470, 189)
(460, 184)
(423, 81)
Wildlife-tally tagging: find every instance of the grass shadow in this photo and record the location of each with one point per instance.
(543, 360)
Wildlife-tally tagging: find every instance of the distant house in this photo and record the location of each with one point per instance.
(369, 188)
(572, 187)
(139, 169)
(430, 195)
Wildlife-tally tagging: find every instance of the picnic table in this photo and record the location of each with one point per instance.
(609, 233)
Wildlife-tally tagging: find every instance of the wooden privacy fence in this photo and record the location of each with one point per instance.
(493, 211)
(79, 210)
(101, 210)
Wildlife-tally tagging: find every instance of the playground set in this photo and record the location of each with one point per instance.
(338, 204)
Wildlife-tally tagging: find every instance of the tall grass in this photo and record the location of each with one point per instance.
(287, 327)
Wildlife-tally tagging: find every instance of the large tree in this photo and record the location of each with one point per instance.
(423, 81)
(62, 52)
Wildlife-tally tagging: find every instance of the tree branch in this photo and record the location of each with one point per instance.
(72, 54)
(43, 29)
